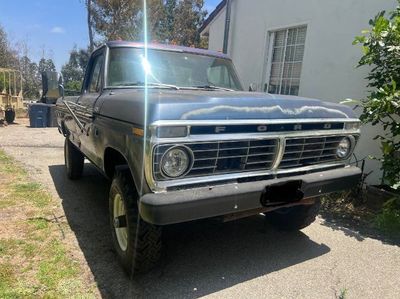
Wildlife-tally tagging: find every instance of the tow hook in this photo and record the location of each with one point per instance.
(120, 221)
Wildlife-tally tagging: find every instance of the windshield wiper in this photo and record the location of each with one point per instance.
(150, 84)
(212, 87)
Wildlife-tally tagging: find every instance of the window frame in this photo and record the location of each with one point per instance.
(85, 87)
(270, 41)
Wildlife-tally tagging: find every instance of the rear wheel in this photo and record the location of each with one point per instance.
(293, 218)
(74, 160)
(137, 243)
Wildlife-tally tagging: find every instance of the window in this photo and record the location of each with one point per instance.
(185, 70)
(287, 58)
(95, 75)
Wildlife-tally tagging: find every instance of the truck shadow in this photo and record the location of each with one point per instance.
(199, 258)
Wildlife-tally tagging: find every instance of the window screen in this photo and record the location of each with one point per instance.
(286, 61)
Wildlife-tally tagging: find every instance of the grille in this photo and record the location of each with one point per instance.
(309, 151)
(224, 157)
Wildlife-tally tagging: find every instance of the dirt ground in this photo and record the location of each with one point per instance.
(241, 259)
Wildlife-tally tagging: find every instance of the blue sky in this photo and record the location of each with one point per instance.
(52, 27)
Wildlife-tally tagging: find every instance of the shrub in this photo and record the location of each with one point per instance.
(381, 50)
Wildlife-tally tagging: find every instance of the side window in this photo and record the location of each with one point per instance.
(94, 83)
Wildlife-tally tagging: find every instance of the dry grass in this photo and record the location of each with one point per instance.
(34, 261)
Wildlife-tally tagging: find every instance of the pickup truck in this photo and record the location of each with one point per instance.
(180, 139)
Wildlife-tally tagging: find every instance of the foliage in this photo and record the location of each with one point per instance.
(8, 56)
(73, 71)
(169, 21)
(388, 220)
(115, 20)
(30, 74)
(381, 49)
(189, 16)
(46, 65)
(30, 70)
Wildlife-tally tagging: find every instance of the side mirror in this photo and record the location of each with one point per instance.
(61, 90)
(50, 84)
(252, 87)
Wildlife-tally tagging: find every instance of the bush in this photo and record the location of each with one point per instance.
(381, 48)
(388, 220)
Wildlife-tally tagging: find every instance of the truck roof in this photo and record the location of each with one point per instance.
(164, 47)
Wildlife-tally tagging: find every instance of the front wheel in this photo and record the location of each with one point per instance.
(137, 243)
(294, 218)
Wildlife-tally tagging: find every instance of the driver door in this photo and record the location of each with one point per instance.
(91, 91)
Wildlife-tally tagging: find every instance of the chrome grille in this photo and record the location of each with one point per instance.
(309, 150)
(224, 157)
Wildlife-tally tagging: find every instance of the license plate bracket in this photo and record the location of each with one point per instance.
(285, 192)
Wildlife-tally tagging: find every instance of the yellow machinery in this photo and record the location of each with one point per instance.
(10, 89)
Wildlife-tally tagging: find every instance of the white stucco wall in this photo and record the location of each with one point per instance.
(329, 61)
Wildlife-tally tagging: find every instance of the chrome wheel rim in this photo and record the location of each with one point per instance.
(120, 232)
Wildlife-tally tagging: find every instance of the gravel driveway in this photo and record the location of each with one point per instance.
(242, 259)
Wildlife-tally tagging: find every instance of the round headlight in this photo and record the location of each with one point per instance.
(176, 162)
(344, 147)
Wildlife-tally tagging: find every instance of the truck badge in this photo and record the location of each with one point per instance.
(297, 127)
(262, 128)
(220, 129)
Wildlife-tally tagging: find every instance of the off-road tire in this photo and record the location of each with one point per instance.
(143, 239)
(74, 160)
(293, 218)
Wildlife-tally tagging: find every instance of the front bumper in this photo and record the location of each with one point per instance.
(204, 202)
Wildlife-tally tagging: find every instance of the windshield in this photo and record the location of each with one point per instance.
(127, 67)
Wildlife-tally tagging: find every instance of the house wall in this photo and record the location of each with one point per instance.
(328, 70)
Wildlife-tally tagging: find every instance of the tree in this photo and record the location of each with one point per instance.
(381, 49)
(189, 16)
(116, 19)
(175, 21)
(46, 65)
(167, 22)
(73, 71)
(8, 56)
(31, 78)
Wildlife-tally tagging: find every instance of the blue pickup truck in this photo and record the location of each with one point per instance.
(181, 140)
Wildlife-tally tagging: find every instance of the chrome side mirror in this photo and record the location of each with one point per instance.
(61, 90)
(253, 87)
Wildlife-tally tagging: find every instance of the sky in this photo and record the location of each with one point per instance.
(50, 27)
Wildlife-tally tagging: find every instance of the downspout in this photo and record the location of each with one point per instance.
(227, 25)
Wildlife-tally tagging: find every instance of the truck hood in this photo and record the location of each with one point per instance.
(129, 105)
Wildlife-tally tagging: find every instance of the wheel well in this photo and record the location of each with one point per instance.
(112, 158)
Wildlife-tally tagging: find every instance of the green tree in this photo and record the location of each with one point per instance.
(166, 28)
(8, 56)
(381, 49)
(46, 65)
(73, 71)
(31, 78)
(175, 21)
(116, 19)
(189, 16)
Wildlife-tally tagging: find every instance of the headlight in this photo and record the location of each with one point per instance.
(344, 148)
(176, 161)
